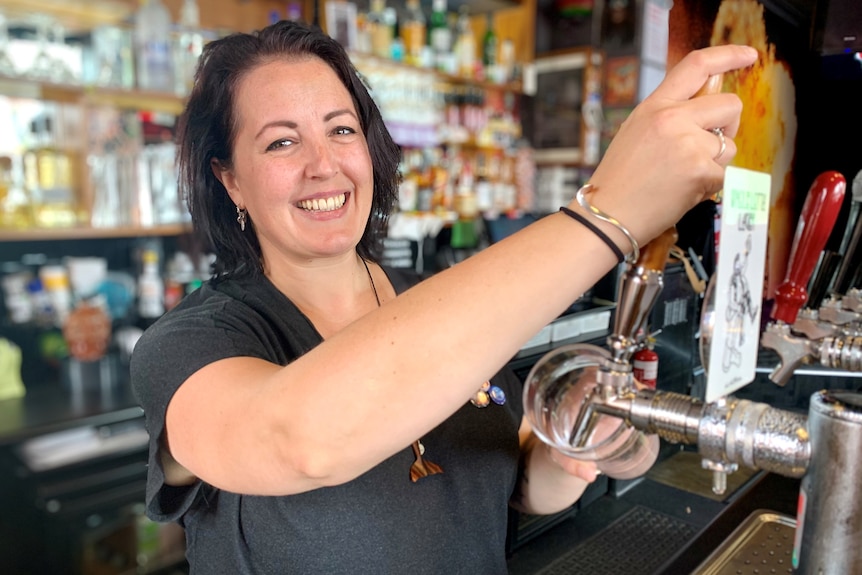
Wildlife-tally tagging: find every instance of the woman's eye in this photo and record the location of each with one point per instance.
(344, 130)
(278, 144)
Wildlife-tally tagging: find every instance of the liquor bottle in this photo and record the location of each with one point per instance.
(465, 44)
(49, 177)
(439, 34)
(380, 29)
(190, 44)
(489, 47)
(16, 210)
(396, 50)
(413, 32)
(55, 281)
(151, 287)
(155, 69)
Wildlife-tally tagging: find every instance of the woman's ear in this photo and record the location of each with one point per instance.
(227, 179)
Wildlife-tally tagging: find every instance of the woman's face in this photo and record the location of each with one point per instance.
(301, 165)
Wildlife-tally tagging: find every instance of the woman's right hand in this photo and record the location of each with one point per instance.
(664, 159)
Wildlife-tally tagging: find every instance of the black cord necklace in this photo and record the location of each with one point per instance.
(421, 467)
(371, 279)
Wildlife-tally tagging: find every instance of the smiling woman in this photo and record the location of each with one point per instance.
(300, 165)
(286, 398)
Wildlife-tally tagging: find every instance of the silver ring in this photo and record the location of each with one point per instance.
(722, 142)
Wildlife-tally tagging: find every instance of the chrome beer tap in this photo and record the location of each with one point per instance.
(584, 400)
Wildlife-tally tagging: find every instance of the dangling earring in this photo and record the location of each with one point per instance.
(241, 215)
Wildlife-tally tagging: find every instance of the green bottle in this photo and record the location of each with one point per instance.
(489, 44)
(439, 34)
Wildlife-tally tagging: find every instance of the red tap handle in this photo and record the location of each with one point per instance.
(812, 230)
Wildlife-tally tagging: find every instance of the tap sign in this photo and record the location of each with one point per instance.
(738, 282)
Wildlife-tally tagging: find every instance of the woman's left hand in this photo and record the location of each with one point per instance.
(586, 470)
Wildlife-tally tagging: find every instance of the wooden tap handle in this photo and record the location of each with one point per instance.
(711, 86)
(654, 255)
(812, 230)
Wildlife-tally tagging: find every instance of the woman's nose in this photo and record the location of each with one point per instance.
(322, 160)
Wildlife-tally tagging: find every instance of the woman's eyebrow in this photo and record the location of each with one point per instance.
(293, 125)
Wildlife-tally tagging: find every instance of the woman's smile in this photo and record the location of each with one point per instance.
(329, 204)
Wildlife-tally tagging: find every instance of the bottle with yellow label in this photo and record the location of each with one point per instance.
(380, 29)
(15, 209)
(413, 32)
(49, 177)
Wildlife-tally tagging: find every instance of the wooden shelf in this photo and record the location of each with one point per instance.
(54, 234)
(361, 58)
(77, 15)
(114, 97)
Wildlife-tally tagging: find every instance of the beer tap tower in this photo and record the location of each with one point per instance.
(572, 391)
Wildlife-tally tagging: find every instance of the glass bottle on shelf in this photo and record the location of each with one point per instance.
(380, 29)
(440, 35)
(489, 47)
(151, 287)
(465, 44)
(505, 62)
(15, 207)
(413, 32)
(154, 65)
(49, 177)
(396, 51)
(42, 67)
(61, 72)
(7, 67)
(190, 44)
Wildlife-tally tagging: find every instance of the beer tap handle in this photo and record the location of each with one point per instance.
(654, 255)
(711, 86)
(812, 230)
(855, 204)
(851, 261)
(823, 276)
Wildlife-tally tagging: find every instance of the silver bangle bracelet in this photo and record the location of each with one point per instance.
(581, 196)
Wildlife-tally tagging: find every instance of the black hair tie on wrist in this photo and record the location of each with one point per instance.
(592, 227)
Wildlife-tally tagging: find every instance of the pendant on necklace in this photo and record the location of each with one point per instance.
(422, 467)
(488, 393)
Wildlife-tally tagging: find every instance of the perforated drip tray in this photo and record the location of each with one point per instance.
(637, 543)
(762, 544)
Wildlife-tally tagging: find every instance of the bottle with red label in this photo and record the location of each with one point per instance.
(645, 364)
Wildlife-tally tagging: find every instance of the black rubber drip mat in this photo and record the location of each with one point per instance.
(638, 543)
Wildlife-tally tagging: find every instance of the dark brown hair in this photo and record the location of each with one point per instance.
(207, 130)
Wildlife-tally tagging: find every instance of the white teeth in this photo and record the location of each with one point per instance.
(323, 205)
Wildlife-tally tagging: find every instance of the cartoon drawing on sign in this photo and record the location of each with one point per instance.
(739, 308)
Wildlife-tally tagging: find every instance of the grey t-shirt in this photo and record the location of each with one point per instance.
(376, 524)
